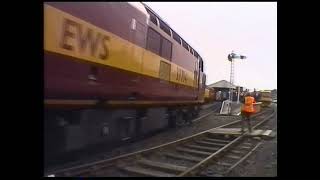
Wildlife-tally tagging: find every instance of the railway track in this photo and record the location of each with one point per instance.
(206, 110)
(231, 158)
(195, 155)
(215, 107)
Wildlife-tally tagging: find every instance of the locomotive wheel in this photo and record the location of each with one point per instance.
(179, 119)
(195, 112)
(188, 115)
(172, 114)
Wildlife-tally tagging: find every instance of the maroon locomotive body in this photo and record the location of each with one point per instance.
(71, 77)
(113, 72)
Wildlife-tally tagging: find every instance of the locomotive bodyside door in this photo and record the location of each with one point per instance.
(201, 81)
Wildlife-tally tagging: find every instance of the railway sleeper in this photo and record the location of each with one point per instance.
(202, 148)
(213, 143)
(248, 144)
(182, 157)
(191, 151)
(244, 147)
(233, 157)
(210, 173)
(171, 168)
(206, 143)
(224, 164)
(217, 140)
(145, 172)
(236, 152)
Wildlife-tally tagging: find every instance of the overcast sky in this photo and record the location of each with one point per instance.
(214, 29)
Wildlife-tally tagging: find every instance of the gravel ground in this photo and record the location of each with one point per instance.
(206, 123)
(263, 162)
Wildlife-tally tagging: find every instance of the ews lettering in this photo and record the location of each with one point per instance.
(85, 38)
(181, 75)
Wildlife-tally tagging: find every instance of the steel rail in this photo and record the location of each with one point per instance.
(242, 159)
(202, 164)
(88, 165)
(108, 162)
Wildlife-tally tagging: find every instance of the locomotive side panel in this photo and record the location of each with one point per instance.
(60, 81)
(184, 67)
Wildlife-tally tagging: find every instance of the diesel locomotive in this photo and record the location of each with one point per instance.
(209, 95)
(265, 98)
(114, 71)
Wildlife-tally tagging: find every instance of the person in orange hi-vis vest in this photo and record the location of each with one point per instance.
(246, 111)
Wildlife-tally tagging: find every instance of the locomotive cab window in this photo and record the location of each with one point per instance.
(153, 41)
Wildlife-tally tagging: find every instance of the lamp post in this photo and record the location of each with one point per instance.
(231, 58)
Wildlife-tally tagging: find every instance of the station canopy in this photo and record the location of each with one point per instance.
(222, 84)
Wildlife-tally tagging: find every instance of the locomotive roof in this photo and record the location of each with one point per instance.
(157, 15)
(139, 6)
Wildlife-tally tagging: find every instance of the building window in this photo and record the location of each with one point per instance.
(153, 41)
(166, 47)
(165, 28)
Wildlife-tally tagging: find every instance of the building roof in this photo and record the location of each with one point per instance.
(222, 84)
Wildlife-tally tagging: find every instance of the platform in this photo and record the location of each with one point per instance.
(231, 131)
(237, 131)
